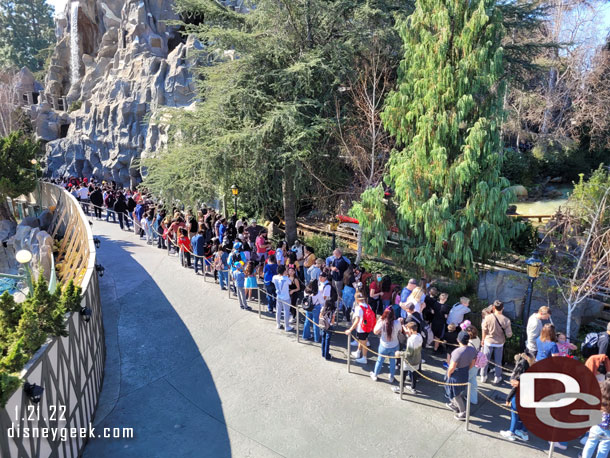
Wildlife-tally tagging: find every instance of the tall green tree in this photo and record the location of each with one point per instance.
(267, 116)
(447, 193)
(27, 31)
(17, 174)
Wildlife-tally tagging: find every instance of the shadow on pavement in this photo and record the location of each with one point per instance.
(148, 348)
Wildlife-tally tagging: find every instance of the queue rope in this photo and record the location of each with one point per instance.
(300, 311)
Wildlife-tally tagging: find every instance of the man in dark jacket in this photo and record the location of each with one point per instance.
(120, 207)
(97, 199)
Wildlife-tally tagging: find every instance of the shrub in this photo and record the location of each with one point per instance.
(8, 384)
(322, 245)
(76, 105)
(25, 327)
(527, 240)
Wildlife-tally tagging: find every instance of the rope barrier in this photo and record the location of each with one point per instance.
(488, 361)
(302, 312)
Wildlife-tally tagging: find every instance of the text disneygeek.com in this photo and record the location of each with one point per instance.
(63, 434)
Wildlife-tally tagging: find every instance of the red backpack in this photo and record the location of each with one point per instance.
(369, 319)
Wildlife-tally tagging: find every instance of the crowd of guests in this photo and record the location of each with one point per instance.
(406, 319)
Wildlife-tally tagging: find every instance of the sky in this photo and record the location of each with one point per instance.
(57, 4)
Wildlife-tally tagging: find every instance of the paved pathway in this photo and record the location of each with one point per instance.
(195, 376)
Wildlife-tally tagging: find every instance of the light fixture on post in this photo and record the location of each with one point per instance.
(100, 269)
(534, 265)
(24, 257)
(33, 392)
(34, 163)
(85, 312)
(235, 191)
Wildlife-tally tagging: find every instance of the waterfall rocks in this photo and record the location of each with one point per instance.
(116, 68)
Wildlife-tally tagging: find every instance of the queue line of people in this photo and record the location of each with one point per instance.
(406, 320)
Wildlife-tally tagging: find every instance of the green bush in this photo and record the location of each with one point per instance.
(519, 167)
(25, 327)
(322, 245)
(76, 105)
(527, 240)
(8, 384)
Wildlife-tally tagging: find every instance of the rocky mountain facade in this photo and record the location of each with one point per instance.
(117, 64)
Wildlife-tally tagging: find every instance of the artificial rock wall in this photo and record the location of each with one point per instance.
(116, 64)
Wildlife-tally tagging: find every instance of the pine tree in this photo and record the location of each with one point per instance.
(267, 117)
(27, 31)
(445, 114)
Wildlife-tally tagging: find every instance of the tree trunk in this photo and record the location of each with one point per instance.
(290, 214)
(569, 322)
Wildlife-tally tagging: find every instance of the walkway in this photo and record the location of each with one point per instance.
(195, 376)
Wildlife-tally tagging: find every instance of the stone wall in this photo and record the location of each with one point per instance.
(510, 287)
(131, 65)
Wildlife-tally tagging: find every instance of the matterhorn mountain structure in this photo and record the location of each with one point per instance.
(116, 67)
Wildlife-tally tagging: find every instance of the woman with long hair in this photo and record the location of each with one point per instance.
(387, 328)
(546, 343)
(251, 283)
(294, 287)
(349, 291)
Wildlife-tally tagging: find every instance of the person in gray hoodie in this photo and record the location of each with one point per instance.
(457, 312)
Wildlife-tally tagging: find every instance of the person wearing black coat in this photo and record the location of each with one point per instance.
(97, 200)
(120, 207)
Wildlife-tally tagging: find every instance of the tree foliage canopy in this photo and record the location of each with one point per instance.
(17, 174)
(266, 118)
(445, 114)
(27, 31)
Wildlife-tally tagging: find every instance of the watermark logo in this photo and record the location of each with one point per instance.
(559, 399)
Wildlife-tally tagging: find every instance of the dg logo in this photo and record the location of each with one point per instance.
(559, 399)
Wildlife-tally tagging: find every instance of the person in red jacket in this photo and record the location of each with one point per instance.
(184, 244)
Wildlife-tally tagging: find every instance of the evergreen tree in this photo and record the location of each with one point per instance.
(27, 31)
(445, 114)
(267, 117)
(17, 175)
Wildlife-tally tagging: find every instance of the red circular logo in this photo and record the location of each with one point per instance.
(559, 399)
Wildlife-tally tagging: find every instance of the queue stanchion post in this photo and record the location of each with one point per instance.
(402, 376)
(297, 313)
(468, 393)
(349, 343)
(258, 293)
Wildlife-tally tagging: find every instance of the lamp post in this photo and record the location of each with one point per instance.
(235, 191)
(34, 162)
(533, 272)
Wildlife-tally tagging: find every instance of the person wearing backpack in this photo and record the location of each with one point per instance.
(387, 328)
(495, 329)
(327, 321)
(320, 293)
(364, 323)
(602, 343)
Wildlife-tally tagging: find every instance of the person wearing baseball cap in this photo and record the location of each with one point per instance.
(462, 359)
